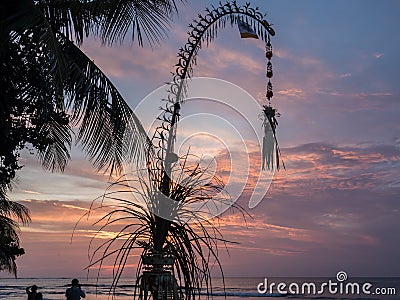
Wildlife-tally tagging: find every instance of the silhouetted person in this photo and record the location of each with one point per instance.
(33, 293)
(74, 292)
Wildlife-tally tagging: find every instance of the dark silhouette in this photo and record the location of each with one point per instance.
(48, 85)
(9, 242)
(33, 293)
(173, 250)
(74, 292)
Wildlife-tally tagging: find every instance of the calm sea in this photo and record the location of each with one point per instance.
(236, 288)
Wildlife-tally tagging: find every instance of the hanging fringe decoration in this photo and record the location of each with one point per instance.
(271, 152)
(270, 148)
(268, 49)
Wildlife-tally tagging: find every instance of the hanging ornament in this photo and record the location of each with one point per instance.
(269, 70)
(270, 148)
(269, 73)
(269, 93)
(268, 49)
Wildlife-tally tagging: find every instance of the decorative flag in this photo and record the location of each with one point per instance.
(246, 31)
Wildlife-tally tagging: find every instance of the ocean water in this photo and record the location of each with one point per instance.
(235, 288)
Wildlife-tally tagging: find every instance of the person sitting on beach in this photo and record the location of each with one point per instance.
(74, 292)
(33, 294)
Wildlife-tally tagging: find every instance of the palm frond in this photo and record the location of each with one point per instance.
(110, 20)
(148, 19)
(9, 244)
(14, 210)
(56, 155)
(75, 19)
(109, 131)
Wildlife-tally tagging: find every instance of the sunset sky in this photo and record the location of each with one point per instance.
(336, 207)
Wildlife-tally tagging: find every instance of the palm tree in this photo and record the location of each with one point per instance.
(48, 85)
(9, 241)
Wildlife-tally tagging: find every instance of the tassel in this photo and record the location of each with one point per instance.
(268, 150)
(270, 143)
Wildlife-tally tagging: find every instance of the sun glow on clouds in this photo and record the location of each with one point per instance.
(56, 224)
(233, 225)
(75, 207)
(315, 219)
(31, 192)
(102, 234)
(292, 92)
(312, 169)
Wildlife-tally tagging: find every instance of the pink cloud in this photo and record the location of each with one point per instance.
(132, 62)
(345, 75)
(294, 92)
(302, 213)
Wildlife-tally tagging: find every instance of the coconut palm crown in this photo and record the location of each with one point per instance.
(49, 87)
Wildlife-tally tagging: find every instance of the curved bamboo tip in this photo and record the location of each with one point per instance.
(267, 26)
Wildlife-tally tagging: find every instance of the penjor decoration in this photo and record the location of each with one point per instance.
(270, 149)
